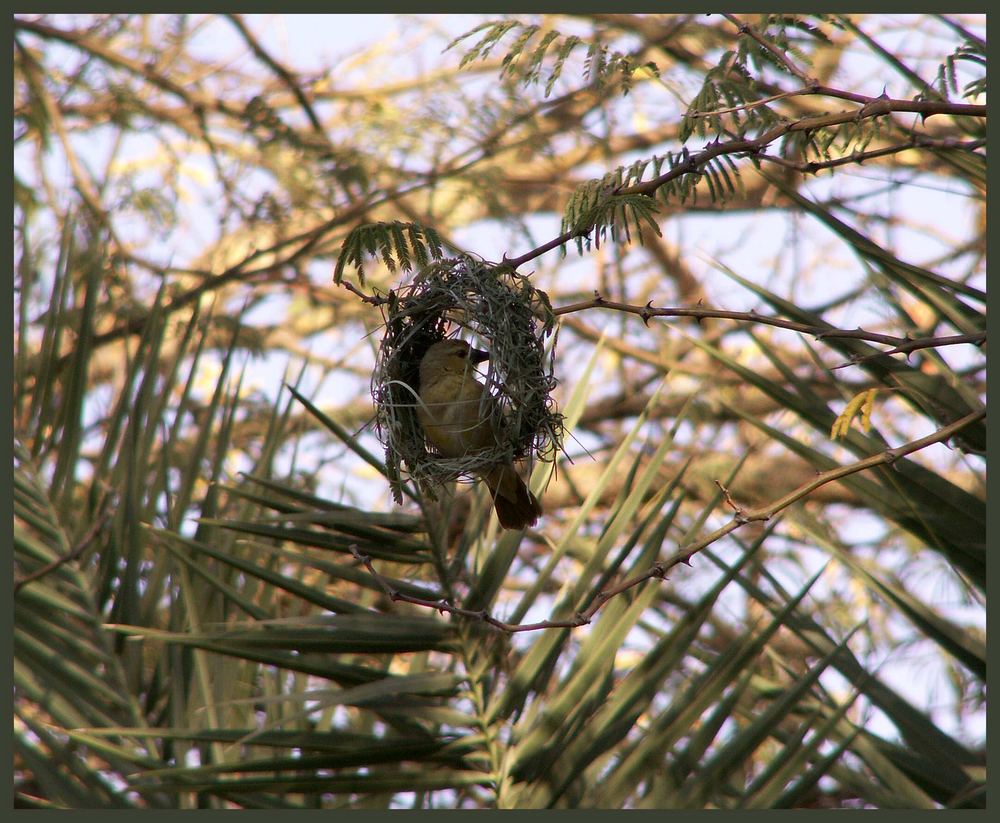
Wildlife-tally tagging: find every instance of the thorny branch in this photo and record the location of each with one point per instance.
(684, 554)
(871, 107)
(860, 157)
(901, 345)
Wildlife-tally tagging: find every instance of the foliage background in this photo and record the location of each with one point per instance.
(216, 602)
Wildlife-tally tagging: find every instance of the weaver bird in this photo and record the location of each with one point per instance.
(455, 413)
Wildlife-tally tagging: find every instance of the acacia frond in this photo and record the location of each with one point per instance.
(397, 244)
(728, 85)
(595, 209)
(731, 85)
(947, 76)
(600, 66)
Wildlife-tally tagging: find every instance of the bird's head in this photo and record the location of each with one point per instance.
(450, 357)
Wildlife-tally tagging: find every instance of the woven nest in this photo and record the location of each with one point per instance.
(493, 308)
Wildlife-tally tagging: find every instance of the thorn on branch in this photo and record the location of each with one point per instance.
(647, 312)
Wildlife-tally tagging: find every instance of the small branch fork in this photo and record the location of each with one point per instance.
(370, 299)
(683, 555)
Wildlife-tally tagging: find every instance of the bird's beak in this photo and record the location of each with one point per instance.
(478, 355)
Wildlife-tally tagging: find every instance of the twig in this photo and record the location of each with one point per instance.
(73, 553)
(779, 55)
(978, 339)
(738, 511)
(861, 156)
(397, 596)
(283, 73)
(370, 299)
(753, 103)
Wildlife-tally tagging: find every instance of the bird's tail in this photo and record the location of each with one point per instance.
(517, 508)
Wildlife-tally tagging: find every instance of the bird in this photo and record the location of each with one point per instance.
(458, 423)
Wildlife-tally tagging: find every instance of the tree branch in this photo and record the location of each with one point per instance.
(903, 345)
